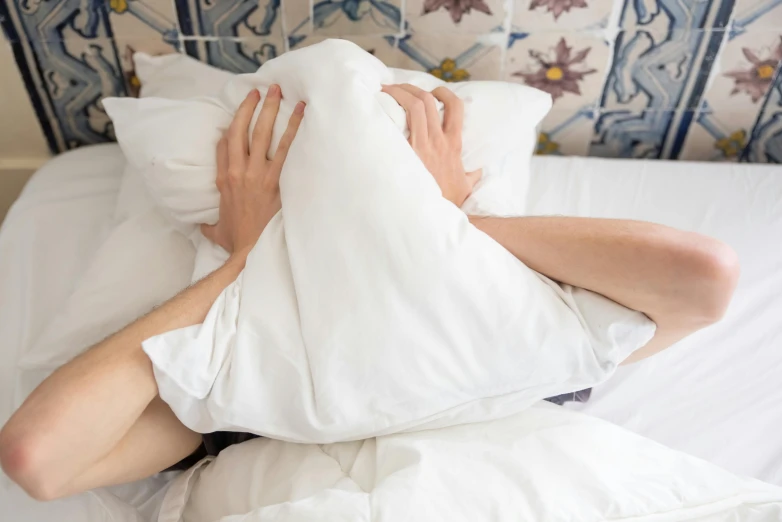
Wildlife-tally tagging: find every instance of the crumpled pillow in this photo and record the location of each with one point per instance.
(370, 305)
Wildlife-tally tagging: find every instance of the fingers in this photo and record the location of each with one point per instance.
(262, 135)
(433, 126)
(453, 117)
(287, 138)
(237, 132)
(415, 110)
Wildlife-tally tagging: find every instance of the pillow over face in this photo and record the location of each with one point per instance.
(370, 304)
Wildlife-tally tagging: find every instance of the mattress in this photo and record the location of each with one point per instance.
(716, 394)
(711, 395)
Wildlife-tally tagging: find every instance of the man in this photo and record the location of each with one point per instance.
(98, 420)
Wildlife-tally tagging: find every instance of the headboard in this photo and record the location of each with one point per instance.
(689, 79)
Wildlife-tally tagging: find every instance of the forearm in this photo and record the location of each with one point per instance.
(681, 280)
(77, 415)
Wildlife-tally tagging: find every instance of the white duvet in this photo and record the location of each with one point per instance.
(370, 304)
(546, 464)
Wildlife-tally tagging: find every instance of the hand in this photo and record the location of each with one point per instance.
(248, 182)
(438, 146)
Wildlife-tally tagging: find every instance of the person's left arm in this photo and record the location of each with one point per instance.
(681, 280)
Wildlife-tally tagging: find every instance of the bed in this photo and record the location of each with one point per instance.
(713, 395)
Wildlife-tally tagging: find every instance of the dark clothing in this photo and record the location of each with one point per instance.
(212, 444)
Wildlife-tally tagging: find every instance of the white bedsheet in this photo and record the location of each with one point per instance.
(717, 394)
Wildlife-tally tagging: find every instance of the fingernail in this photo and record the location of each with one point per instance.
(274, 89)
(299, 109)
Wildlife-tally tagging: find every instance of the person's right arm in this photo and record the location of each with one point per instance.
(97, 420)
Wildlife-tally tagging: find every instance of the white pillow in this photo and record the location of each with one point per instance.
(180, 169)
(370, 304)
(172, 76)
(546, 464)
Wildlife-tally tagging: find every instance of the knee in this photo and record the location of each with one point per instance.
(23, 460)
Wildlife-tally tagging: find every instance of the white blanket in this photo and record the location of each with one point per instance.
(370, 304)
(545, 464)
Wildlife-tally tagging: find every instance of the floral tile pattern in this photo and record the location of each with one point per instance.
(560, 15)
(717, 136)
(765, 143)
(697, 79)
(754, 78)
(569, 66)
(456, 16)
(453, 59)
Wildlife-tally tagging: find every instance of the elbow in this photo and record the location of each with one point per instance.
(715, 273)
(21, 460)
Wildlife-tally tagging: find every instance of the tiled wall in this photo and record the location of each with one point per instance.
(690, 79)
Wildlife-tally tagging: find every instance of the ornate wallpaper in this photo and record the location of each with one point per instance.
(689, 79)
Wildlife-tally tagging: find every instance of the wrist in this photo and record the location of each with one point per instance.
(238, 259)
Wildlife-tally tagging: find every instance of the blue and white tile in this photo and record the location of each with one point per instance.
(69, 65)
(465, 16)
(297, 19)
(662, 15)
(144, 19)
(657, 70)
(383, 48)
(626, 134)
(566, 132)
(230, 18)
(126, 46)
(765, 144)
(717, 136)
(740, 81)
(453, 57)
(243, 55)
(356, 17)
(758, 14)
(564, 15)
(37, 21)
(570, 66)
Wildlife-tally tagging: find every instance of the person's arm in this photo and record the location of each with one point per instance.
(683, 281)
(97, 420)
(78, 416)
